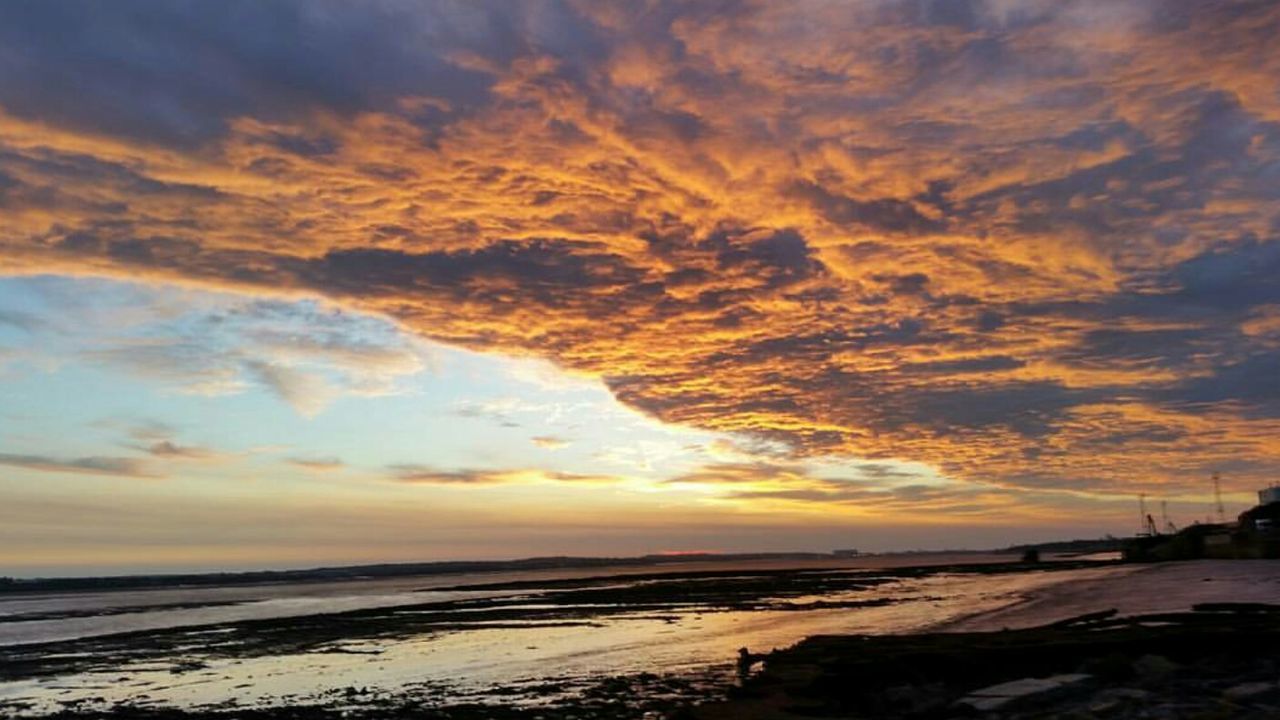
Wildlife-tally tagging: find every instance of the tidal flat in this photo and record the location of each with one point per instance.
(600, 644)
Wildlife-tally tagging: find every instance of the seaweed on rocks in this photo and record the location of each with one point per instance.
(1216, 661)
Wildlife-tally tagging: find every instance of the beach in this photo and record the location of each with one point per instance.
(1135, 590)
(642, 645)
(542, 640)
(1167, 641)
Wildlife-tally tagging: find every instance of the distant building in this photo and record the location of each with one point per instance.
(846, 553)
(1269, 495)
(1264, 520)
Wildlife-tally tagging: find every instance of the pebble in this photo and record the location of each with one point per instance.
(996, 697)
(1246, 692)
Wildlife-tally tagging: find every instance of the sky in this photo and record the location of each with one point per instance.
(305, 282)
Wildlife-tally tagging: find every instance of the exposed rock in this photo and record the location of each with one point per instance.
(1173, 678)
(1154, 667)
(1113, 700)
(1026, 690)
(1251, 691)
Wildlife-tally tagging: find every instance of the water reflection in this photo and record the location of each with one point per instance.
(534, 639)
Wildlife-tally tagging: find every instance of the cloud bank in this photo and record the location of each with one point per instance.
(1029, 243)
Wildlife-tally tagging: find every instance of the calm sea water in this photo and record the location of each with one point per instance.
(679, 639)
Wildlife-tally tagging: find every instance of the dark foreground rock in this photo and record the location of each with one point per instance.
(641, 696)
(1221, 661)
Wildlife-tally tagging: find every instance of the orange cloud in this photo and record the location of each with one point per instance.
(1034, 248)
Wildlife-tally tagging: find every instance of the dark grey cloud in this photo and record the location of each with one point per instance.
(1252, 382)
(884, 214)
(95, 465)
(425, 474)
(25, 322)
(53, 165)
(317, 464)
(993, 363)
(778, 258)
(178, 72)
(1168, 348)
(432, 476)
(170, 450)
(1230, 278)
(1215, 156)
(546, 272)
(1027, 408)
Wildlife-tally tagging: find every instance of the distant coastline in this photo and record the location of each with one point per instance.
(142, 581)
(366, 572)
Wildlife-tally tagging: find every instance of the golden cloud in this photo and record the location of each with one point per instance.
(1033, 247)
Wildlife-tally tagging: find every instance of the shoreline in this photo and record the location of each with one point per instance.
(144, 610)
(1033, 604)
(1143, 589)
(37, 586)
(615, 620)
(1164, 641)
(1129, 667)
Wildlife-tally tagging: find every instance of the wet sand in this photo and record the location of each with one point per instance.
(1154, 642)
(41, 617)
(608, 646)
(1136, 590)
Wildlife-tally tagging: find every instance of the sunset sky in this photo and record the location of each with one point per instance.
(303, 282)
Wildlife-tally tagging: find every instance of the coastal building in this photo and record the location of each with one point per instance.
(1270, 495)
(1255, 534)
(1264, 520)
